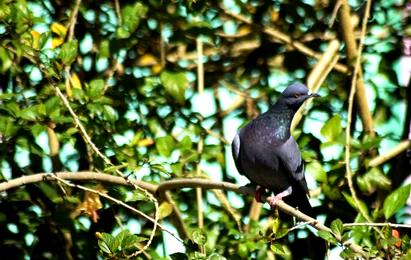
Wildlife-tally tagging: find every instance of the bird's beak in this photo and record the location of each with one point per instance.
(314, 95)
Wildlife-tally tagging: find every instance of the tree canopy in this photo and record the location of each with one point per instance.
(116, 119)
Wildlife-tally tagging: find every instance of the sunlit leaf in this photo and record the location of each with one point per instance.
(337, 227)
(332, 129)
(317, 171)
(165, 145)
(164, 210)
(68, 52)
(278, 249)
(327, 236)
(199, 237)
(59, 29)
(396, 200)
(175, 84)
(75, 81)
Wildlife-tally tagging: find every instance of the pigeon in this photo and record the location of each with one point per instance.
(267, 154)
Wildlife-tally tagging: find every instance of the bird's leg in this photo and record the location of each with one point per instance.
(273, 200)
(259, 191)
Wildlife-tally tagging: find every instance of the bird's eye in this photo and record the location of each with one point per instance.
(297, 95)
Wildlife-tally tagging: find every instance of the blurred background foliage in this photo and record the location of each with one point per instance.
(129, 71)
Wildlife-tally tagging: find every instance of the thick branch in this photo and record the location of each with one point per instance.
(401, 147)
(352, 53)
(284, 38)
(74, 176)
(318, 75)
(169, 185)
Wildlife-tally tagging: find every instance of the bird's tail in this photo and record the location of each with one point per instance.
(299, 199)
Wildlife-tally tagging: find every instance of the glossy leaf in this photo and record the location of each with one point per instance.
(332, 129)
(175, 84)
(396, 200)
(68, 52)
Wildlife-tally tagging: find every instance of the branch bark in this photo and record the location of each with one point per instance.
(352, 53)
(284, 38)
(170, 185)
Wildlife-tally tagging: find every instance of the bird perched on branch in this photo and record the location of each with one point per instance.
(267, 154)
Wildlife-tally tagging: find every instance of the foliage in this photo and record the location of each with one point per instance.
(129, 72)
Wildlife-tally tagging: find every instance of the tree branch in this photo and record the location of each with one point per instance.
(284, 38)
(350, 50)
(170, 185)
(401, 147)
(352, 55)
(318, 74)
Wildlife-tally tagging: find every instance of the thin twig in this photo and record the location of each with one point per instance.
(118, 12)
(302, 224)
(349, 115)
(200, 66)
(401, 147)
(286, 39)
(199, 192)
(54, 176)
(392, 225)
(176, 184)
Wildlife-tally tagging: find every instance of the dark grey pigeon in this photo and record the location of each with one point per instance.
(267, 154)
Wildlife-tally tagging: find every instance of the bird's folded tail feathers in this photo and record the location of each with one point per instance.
(299, 199)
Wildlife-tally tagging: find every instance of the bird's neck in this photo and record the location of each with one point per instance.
(281, 116)
(281, 110)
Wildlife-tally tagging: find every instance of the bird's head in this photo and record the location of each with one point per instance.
(295, 95)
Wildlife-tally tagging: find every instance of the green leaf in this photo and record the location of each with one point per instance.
(159, 168)
(5, 60)
(186, 144)
(130, 243)
(332, 129)
(317, 171)
(120, 238)
(29, 113)
(199, 237)
(104, 49)
(396, 200)
(8, 127)
(278, 249)
(109, 241)
(337, 227)
(216, 256)
(109, 114)
(104, 247)
(373, 180)
(137, 196)
(177, 168)
(282, 232)
(131, 19)
(351, 201)
(68, 52)
(96, 88)
(165, 145)
(327, 236)
(37, 129)
(52, 105)
(175, 84)
(276, 224)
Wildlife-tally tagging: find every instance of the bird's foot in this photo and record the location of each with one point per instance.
(259, 191)
(273, 200)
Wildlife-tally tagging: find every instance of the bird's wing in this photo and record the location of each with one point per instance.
(235, 149)
(290, 158)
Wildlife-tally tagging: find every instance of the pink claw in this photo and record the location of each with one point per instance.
(273, 200)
